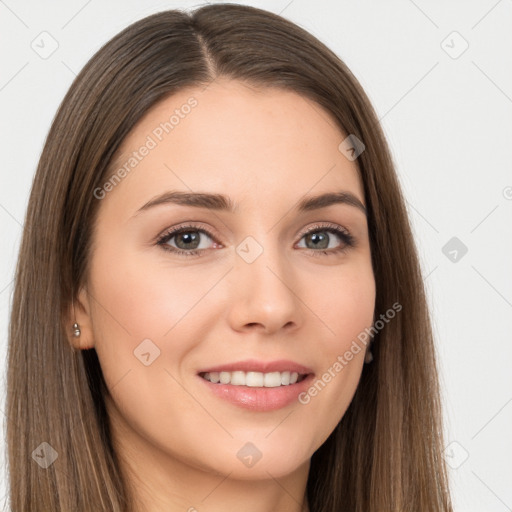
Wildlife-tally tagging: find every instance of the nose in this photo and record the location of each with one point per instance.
(263, 294)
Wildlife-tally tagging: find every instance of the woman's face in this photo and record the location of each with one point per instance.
(270, 290)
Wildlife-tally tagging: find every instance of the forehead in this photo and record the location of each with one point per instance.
(232, 138)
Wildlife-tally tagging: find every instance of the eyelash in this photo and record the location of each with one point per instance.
(342, 233)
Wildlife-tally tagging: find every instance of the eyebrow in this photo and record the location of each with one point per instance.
(220, 202)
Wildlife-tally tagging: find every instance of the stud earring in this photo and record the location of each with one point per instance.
(76, 330)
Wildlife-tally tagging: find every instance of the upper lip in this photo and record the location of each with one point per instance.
(253, 365)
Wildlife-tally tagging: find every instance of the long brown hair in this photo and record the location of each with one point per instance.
(386, 453)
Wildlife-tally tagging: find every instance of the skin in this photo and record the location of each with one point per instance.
(266, 149)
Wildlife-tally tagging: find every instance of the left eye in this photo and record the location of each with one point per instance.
(320, 240)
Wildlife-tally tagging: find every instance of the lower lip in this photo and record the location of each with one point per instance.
(259, 399)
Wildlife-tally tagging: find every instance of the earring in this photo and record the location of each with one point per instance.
(76, 330)
(368, 357)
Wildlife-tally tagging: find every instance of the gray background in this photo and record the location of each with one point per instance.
(447, 113)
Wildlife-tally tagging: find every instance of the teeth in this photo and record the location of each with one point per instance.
(253, 379)
(237, 378)
(272, 380)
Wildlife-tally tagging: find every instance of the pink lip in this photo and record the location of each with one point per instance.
(252, 365)
(260, 398)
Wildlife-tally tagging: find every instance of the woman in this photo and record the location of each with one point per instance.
(218, 302)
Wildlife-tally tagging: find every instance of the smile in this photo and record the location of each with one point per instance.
(254, 379)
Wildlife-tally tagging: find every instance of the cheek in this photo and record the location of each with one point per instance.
(351, 307)
(345, 304)
(143, 335)
(346, 309)
(136, 310)
(138, 300)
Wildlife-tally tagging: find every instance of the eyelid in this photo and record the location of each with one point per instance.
(323, 225)
(193, 225)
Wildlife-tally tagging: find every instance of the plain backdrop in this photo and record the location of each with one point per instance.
(439, 75)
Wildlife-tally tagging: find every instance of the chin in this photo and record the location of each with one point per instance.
(258, 459)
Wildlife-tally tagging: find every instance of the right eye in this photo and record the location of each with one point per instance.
(187, 240)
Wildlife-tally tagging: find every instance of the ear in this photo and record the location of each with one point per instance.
(79, 311)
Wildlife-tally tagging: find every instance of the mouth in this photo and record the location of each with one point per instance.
(259, 386)
(254, 379)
